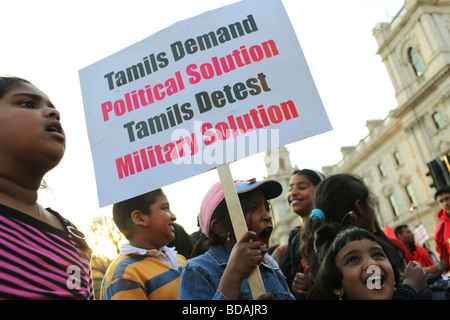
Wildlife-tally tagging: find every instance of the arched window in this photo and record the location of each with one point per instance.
(437, 120)
(393, 204)
(381, 170)
(398, 159)
(411, 196)
(415, 61)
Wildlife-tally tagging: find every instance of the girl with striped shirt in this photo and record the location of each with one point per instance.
(42, 255)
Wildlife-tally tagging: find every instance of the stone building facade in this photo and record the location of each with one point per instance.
(393, 158)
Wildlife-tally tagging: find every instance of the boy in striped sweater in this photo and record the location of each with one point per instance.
(146, 269)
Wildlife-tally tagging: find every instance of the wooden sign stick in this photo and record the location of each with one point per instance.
(238, 222)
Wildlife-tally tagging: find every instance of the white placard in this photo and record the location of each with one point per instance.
(205, 91)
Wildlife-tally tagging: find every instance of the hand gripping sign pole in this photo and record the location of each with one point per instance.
(238, 222)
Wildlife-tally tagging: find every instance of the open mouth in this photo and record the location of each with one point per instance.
(264, 238)
(56, 128)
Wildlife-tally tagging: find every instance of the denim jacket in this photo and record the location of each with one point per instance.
(201, 277)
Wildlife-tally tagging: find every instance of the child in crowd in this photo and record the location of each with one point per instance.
(302, 186)
(42, 255)
(344, 199)
(146, 268)
(221, 272)
(355, 265)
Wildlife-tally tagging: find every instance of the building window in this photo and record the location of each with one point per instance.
(415, 62)
(397, 158)
(381, 170)
(411, 196)
(393, 205)
(437, 120)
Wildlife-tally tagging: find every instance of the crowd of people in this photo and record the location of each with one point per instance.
(339, 251)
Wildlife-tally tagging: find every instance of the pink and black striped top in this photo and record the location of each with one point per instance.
(38, 261)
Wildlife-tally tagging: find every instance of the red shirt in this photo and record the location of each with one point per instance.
(422, 256)
(419, 254)
(442, 235)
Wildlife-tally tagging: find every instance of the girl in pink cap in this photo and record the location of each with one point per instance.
(221, 272)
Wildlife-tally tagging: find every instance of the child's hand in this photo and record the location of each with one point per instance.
(415, 276)
(266, 296)
(245, 256)
(299, 284)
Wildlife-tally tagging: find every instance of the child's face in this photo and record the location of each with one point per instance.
(160, 223)
(367, 272)
(258, 218)
(30, 128)
(300, 195)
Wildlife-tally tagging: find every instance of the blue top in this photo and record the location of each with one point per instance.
(201, 277)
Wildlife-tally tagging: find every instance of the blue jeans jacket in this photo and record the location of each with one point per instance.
(201, 277)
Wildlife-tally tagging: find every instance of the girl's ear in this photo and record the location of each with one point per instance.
(138, 218)
(339, 293)
(358, 208)
(218, 229)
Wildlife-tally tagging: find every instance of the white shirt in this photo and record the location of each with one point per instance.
(165, 254)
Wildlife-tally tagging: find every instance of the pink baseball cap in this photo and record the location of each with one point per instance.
(271, 189)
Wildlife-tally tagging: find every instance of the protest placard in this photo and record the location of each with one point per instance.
(203, 92)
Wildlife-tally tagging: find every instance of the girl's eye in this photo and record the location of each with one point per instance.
(352, 260)
(379, 255)
(250, 209)
(28, 104)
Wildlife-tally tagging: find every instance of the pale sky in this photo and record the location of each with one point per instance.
(47, 42)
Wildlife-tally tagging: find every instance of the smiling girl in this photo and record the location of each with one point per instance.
(302, 187)
(356, 266)
(42, 255)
